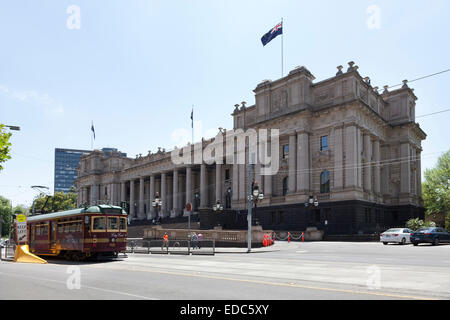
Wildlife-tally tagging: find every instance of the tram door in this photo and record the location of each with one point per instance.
(53, 235)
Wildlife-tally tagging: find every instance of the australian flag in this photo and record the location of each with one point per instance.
(277, 30)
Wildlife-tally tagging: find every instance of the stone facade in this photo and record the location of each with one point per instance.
(340, 140)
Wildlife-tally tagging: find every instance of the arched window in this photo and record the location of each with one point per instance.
(285, 185)
(325, 182)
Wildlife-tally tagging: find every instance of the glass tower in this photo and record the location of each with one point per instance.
(66, 164)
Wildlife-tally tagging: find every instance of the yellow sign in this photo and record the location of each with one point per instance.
(21, 218)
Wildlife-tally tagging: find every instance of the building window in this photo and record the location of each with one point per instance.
(285, 185)
(285, 151)
(324, 143)
(325, 182)
(227, 174)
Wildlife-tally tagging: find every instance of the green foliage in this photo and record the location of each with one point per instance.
(447, 221)
(4, 145)
(436, 188)
(5, 215)
(60, 201)
(416, 224)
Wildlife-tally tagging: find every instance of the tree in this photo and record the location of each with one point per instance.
(60, 201)
(436, 188)
(4, 145)
(416, 224)
(5, 215)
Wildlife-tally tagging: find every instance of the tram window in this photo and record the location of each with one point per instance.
(78, 228)
(99, 224)
(38, 231)
(123, 224)
(113, 224)
(60, 228)
(73, 227)
(45, 230)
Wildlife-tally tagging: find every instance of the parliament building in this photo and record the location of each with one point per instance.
(353, 148)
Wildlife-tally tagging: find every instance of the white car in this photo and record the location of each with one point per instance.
(397, 235)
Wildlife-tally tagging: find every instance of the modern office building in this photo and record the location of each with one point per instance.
(353, 148)
(66, 164)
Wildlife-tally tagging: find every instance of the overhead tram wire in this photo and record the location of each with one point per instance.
(424, 77)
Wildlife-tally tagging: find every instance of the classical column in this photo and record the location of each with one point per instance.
(203, 186)
(112, 193)
(163, 194)
(405, 169)
(175, 192)
(351, 157)
(235, 177)
(189, 185)
(385, 181)
(368, 163)
(141, 214)
(359, 138)
(376, 168)
(94, 194)
(123, 196)
(268, 178)
(132, 207)
(292, 163)
(418, 174)
(152, 195)
(219, 182)
(338, 160)
(302, 162)
(413, 173)
(242, 173)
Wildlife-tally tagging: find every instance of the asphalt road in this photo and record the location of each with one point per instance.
(300, 271)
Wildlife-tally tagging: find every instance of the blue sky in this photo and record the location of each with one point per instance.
(135, 68)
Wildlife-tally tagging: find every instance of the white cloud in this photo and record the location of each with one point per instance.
(43, 100)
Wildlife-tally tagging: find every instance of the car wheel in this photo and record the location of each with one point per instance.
(415, 244)
(436, 242)
(403, 241)
(385, 243)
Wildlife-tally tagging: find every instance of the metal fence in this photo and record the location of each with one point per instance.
(174, 246)
(7, 252)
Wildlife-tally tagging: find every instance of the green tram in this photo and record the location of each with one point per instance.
(94, 231)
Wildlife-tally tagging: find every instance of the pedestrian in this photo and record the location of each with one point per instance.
(200, 239)
(165, 241)
(194, 240)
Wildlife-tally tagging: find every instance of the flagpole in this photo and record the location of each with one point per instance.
(282, 36)
(92, 137)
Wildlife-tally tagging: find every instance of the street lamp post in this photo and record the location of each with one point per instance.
(37, 188)
(218, 207)
(257, 196)
(254, 196)
(157, 203)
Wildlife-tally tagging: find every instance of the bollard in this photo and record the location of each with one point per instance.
(289, 237)
(303, 237)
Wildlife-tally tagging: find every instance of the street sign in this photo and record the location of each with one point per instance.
(188, 207)
(21, 228)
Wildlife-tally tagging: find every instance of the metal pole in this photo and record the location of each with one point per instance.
(249, 214)
(192, 151)
(282, 35)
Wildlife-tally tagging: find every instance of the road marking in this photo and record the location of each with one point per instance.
(83, 286)
(281, 284)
